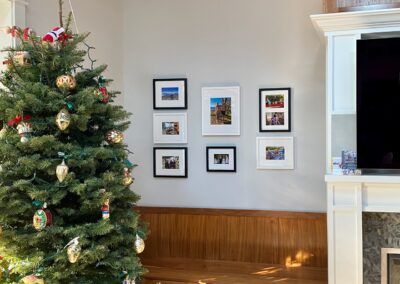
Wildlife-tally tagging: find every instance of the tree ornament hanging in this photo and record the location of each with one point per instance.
(25, 131)
(105, 209)
(63, 119)
(42, 218)
(66, 82)
(3, 132)
(102, 94)
(114, 137)
(32, 279)
(57, 34)
(139, 244)
(62, 171)
(129, 280)
(73, 250)
(128, 179)
(24, 128)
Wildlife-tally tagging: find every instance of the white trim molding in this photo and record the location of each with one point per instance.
(373, 19)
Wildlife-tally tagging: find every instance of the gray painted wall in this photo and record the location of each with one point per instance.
(252, 43)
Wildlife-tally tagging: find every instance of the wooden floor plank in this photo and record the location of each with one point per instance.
(246, 268)
(164, 275)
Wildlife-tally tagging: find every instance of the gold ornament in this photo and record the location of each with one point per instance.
(114, 137)
(62, 171)
(3, 132)
(63, 119)
(139, 244)
(128, 180)
(66, 82)
(25, 131)
(32, 279)
(73, 250)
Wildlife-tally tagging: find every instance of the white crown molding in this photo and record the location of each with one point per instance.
(22, 2)
(348, 21)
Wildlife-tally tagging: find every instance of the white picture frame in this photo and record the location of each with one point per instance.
(176, 159)
(275, 153)
(170, 128)
(221, 111)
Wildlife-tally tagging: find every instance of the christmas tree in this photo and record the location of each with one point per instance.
(65, 198)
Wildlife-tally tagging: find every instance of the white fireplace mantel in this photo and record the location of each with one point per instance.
(349, 196)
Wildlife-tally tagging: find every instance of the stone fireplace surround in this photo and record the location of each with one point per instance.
(381, 236)
(349, 196)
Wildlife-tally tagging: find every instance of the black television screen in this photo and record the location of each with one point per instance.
(378, 103)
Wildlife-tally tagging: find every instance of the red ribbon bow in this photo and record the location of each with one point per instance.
(18, 119)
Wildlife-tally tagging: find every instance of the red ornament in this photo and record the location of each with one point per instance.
(105, 209)
(13, 31)
(103, 95)
(18, 119)
(57, 34)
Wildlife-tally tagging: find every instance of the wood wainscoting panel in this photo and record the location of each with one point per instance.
(289, 239)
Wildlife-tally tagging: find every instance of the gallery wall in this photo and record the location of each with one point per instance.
(254, 44)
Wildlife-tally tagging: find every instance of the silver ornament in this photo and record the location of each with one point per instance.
(139, 244)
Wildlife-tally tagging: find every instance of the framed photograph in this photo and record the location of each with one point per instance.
(275, 110)
(221, 111)
(170, 93)
(221, 159)
(170, 128)
(275, 153)
(170, 162)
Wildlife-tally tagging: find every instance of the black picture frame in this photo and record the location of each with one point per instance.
(155, 149)
(208, 148)
(155, 81)
(261, 107)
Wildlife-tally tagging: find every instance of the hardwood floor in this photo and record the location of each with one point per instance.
(203, 272)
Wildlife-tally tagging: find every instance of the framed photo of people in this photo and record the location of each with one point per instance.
(274, 110)
(170, 128)
(221, 159)
(170, 162)
(170, 93)
(221, 111)
(275, 153)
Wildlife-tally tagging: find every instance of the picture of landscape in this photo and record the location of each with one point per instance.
(221, 159)
(220, 111)
(275, 118)
(170, 128)
(170, 162)
(275, 153)
(170, 93)
(274, 101)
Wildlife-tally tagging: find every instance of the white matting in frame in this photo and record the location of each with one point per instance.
(170, 93)
(170, 162)
(275, 153)
(221, 111)
(170, 128)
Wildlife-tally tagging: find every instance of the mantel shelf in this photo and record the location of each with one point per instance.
(348, 21)
(386, 179)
